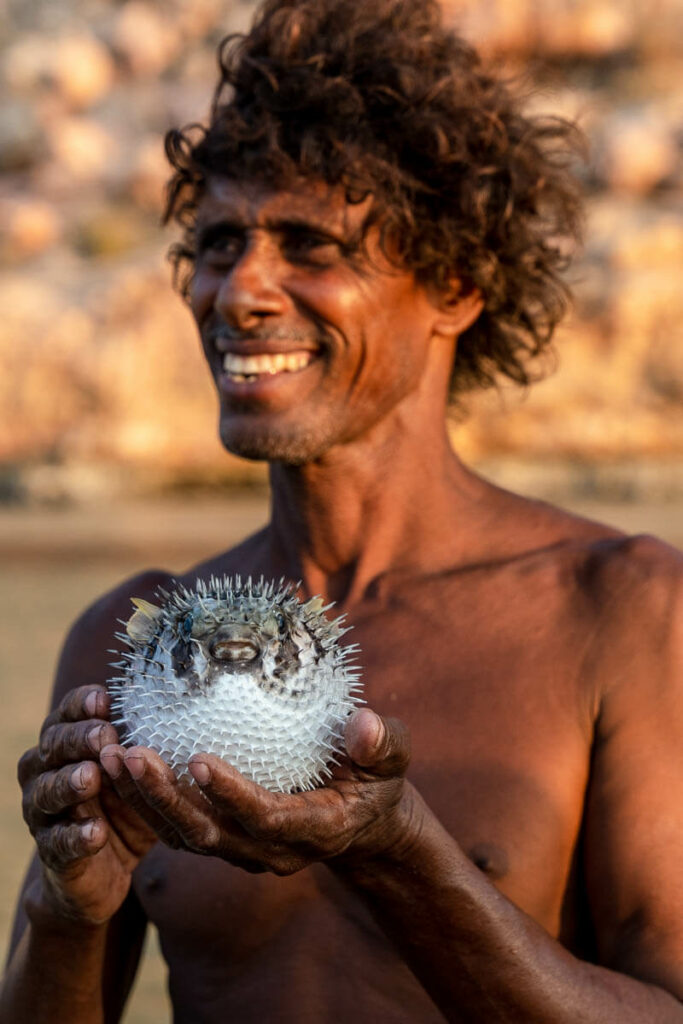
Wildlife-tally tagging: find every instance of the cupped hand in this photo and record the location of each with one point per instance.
(88, 839)
(362, 812)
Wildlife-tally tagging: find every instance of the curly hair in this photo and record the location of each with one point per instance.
(380, 98)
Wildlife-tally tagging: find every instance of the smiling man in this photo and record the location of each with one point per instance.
(372, 226)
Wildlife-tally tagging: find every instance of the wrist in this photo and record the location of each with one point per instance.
(395, 840)
(49, 912)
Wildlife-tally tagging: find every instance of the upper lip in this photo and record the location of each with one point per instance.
(270, 345)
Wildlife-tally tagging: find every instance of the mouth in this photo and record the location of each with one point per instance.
(248, 368)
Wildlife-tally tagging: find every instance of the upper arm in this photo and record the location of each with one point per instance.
(634, 812)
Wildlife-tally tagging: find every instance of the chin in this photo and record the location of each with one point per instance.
(293, 448)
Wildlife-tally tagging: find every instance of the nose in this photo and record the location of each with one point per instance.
(252, 290)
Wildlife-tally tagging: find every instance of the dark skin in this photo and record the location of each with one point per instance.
(524, 863)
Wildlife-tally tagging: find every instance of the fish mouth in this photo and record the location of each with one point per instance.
(233, 650)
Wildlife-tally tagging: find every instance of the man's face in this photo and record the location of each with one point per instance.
(311, 338)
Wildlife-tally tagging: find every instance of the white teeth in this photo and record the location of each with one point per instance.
(253, 366)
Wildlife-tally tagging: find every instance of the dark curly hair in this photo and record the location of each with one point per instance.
(379, 97)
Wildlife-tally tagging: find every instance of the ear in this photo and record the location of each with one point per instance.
(456, 310)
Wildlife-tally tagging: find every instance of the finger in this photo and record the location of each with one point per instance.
(379, 745)
(81, 703)
(277, 818)
(128, 825)
(69, 742)
(125, 788)
(30, 765)
(232, 793)
(183, 808)
(62, 845)
(55, 791)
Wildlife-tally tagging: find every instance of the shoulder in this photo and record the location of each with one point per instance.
(607, 565)
(624, 592)
(86, 652)
(637, 592)
(634, 581)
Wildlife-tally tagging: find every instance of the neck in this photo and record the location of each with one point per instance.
(379, 504)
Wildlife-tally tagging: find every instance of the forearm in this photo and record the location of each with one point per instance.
(480, 957)
(56, 970)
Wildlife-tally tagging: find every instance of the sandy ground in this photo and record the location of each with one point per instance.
(53, 562)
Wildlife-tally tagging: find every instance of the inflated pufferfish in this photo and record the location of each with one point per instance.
(239, 669)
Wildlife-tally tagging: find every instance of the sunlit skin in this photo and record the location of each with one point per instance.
(288, 272)
(522, 860)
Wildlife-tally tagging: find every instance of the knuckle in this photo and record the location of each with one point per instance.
(72, 706)
(65, 842)
(57, 845)
(47, 740)
(28, 811)
(284, 866)
(42, 791)
(26, 765)
(271, 825)
(203, 837)
(49, 721)
(69, 742)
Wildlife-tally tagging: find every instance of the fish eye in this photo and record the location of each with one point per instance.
(186, 628)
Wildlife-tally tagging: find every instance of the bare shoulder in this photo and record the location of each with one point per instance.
(629, 589)
(85, 655)
(614, 565)
(627, 593)
(637, 590)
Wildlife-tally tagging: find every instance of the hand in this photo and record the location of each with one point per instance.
(88, 840)
(361, 812)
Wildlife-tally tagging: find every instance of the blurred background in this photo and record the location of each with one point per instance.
(108, 453)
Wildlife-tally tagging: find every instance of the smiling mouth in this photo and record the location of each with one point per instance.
(248, 368)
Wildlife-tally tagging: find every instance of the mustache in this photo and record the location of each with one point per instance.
(266, 333)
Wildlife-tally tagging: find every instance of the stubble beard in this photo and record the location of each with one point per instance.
(260, 443)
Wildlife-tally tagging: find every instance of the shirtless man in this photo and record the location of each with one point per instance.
(372, 205)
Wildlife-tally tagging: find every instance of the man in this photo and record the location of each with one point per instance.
(372, 225)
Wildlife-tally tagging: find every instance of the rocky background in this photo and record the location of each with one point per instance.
(102, 388)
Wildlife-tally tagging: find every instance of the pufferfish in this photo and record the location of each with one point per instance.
(240, 669)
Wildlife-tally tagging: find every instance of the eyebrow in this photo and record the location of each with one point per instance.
(281, 225)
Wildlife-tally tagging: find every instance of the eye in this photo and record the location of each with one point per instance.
(186, 628)
(220, 245)
(305, 245)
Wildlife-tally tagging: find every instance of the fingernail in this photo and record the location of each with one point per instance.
(88, 830)
(77, 780)
(95, 738)
(111, 764)
(380, 733)
(91, 704)
(135, 766)
(201, 773)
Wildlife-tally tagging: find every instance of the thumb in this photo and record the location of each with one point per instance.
(380, 745)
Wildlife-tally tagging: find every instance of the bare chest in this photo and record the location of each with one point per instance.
(490, 681)
(494, 687)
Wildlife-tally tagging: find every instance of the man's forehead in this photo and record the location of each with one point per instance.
(259, 204)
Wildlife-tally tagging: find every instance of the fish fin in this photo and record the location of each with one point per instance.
(152, 611)
(142, 624)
